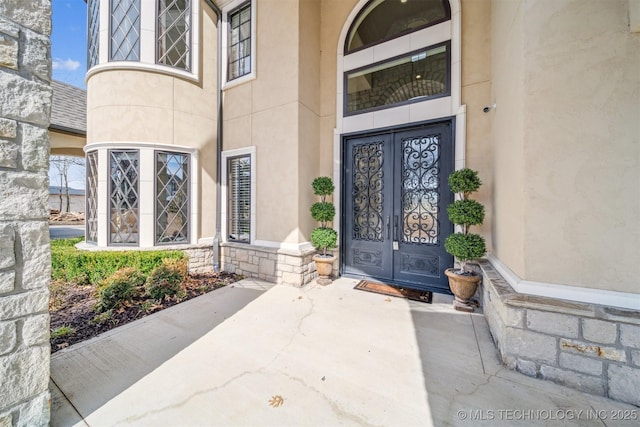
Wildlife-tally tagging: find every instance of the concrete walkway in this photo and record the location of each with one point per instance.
(334, 355)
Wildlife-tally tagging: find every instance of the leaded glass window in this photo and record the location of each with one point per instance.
(239, 198)
(124, 172)
(172, 197)
(413, 77)
(93, 45)
(239, 43)
(174, 33)
(125, 30)
(382, 20)
(92, 197)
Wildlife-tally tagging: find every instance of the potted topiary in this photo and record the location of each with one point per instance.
(464, 246)
(323, 237)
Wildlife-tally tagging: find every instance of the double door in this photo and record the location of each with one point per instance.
(395, 197)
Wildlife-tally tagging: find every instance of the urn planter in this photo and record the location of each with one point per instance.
(464, 287)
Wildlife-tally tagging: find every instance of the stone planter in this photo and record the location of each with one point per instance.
(463, 288)
(324, 267)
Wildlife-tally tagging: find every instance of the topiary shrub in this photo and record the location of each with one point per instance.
(464, 181)
(323, 211)
(464, 212)
(323, 237)
(119, 288)
(166, 279)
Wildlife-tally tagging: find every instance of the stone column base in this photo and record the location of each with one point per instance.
(294, 268)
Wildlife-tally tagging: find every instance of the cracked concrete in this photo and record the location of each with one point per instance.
(336, 355)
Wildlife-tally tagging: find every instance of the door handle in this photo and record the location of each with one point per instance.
(388, 227)
(395, 227)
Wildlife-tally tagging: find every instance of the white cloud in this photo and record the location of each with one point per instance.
(65, 64)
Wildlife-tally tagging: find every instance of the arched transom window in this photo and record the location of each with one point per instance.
(382, 20)
(415, 71)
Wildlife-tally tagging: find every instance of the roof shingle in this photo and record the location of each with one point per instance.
(69, 108)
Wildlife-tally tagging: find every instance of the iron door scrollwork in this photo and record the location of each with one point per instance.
(367, 195)
(420, 189)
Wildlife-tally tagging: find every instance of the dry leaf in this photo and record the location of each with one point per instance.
(276, 401)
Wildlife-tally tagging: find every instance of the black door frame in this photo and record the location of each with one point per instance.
(343, 194)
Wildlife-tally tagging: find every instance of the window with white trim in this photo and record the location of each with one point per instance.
(174, 33)
(382, 20)
(239, 198)
(239, 42)
(172, 197)
(124, 200)
(415, 71)
(125, 30)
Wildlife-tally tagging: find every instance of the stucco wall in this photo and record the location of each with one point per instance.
(574, 150)
(507, 133)
(309, 131)
(146, 106)
(277, 113)
(476, 94)
(25, 259)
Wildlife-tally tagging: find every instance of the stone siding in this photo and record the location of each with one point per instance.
(200, 255)
(271, 264)
(25, 255)
(200, 258)
(589, 347)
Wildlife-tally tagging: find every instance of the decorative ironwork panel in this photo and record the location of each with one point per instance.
(123, 196)
(367, 258)
(125, 30)
(172, 197)
(420, 189)
(424, 265)
(367, 192)
(94, 33)
(174, 33)
(92, 197)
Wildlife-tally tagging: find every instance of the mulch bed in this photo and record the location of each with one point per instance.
(73, 305)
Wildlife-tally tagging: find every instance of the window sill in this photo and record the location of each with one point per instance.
(240, 80)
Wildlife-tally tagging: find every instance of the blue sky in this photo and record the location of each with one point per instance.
(69, 56)
(69, 41)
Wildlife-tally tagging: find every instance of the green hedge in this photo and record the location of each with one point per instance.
(85, 267)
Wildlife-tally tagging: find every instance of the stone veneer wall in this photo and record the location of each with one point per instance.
(200, 258)
(270, 264)
(592, 348)
(200, 255)
(25, 256)
(273, 265)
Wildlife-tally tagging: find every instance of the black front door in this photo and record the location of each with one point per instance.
(395, 197)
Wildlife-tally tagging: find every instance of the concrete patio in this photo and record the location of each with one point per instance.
(336, 356)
